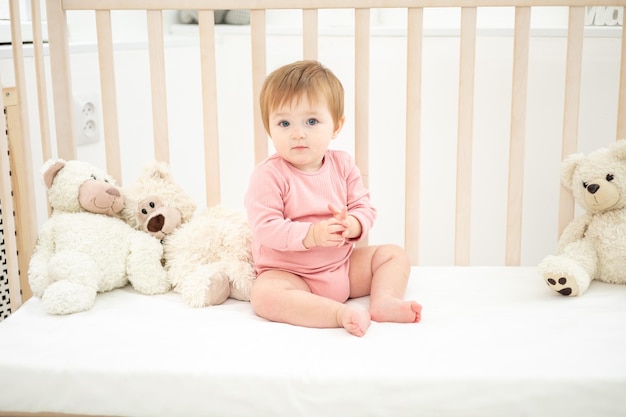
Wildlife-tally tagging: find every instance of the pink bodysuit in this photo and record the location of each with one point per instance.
(282, 202)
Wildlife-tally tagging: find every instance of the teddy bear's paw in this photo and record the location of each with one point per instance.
(151, 287)
(241, 284)
(143, 265)
(38, 277)
(565, 275)
(150, 284)
(204, 288)
(64, 297)
(563, 284)
(241, 289)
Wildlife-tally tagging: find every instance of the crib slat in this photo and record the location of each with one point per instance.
(465, 136)
(573, 71)
(61, 84)
(20, 148)
(621, 106)
(109, 97)
(361, 91)
(206, 22)
(518, 137)
(259, 71)
(40, 75)
(20, 74)
(413, 133)
(157, 76)
(310, 33)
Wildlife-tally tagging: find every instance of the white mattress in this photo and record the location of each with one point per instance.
(493, 341)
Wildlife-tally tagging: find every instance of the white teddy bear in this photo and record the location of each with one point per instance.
(592, 246)
(207, 254)
(82, 248)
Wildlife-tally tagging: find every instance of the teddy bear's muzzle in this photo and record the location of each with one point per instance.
(156, 223)
(100, 197)
(601, 195)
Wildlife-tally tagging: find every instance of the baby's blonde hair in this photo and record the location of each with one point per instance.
(302, 78)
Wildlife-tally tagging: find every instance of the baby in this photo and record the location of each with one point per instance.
(307, 207)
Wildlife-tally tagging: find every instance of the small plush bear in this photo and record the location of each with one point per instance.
(84, 248)
(207, 254)
(593, 245)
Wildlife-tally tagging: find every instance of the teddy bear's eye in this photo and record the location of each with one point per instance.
(610, 177)
(152, 204)
(144, 211)
(585, 184)
(93, 177)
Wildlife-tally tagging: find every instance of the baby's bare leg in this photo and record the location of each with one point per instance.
(383, 273)
(283, 297)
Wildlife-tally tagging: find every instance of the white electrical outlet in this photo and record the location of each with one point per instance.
(87, 125)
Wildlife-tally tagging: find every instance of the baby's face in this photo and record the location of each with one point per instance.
(301, 132)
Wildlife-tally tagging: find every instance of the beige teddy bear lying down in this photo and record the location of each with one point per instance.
(207, 253)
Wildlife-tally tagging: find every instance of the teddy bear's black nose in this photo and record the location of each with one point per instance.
(156, 223)
(592, 188)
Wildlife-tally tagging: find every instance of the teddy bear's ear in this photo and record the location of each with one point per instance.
(568, 167)
(158, 171)
(619, 149)
(50, 170)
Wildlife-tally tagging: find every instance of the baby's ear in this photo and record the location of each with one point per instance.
(339, 126)
(568, 167)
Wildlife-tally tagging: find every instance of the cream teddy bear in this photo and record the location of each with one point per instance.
(83, 248)
(207, 254)
(593, 245)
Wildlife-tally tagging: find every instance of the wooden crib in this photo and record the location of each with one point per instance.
(494, 339)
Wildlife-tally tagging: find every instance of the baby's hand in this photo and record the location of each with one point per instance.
(328, 232)
(341, 216)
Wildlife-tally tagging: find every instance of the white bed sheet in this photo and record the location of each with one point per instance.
(493, 341)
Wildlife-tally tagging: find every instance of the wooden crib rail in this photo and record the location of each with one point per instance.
(316, 4)
(62, 87)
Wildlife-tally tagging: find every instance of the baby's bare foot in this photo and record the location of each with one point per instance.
(396, 310)
(354, 320)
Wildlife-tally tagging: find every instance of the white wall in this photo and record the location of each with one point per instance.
(388, 92)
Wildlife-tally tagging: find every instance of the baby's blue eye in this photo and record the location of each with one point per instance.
(284, 123)
(311, 122)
